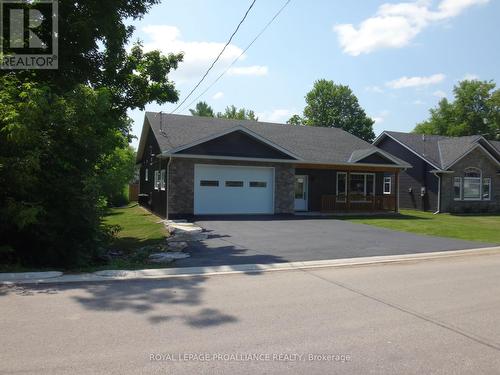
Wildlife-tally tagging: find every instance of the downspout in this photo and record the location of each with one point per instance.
(439, 193)
(168, 186)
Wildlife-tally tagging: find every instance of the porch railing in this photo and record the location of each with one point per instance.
(331, 203)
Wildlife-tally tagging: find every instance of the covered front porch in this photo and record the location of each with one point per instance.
(346, 189)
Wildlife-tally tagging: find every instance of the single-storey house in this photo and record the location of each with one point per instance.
(449, 174)
(200, 165)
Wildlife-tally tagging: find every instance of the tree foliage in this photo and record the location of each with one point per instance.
(475, 110)
(231, 112)
(295, 120)
(335, 106)
(202, 109)
(60, 131)
(116, 171)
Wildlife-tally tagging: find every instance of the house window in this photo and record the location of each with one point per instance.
(486, 189)
(157, 180)
(261, 184)
(234, 183)
(457, 188)
(212, 183)
(162, 179)
(472, 184)
(146, 174)
(387, 185)
(361, 185)
(341, 186)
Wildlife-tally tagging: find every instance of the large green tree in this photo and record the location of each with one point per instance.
(57, 129)
(335, 106)
(202, 109)
(474, 110)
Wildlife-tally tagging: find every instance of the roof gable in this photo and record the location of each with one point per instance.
(237, 143)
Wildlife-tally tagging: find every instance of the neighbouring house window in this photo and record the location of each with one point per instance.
(234, 183)
(212, 183)
(261, 184)
(341, 186)
(486, 189)
(162, 179)
(457, 188)
(387, 185)
(146, 174)
(361, 186)
(157, 180)
(472, 186)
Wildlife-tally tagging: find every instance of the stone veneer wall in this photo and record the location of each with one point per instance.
(181, 184)
(478, 159)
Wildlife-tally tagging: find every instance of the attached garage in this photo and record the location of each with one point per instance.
(223, 189)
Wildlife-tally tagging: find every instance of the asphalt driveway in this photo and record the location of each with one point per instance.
(261, 240)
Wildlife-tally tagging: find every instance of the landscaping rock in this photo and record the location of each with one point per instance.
(167, 257)
(176, 246)
(186, 237)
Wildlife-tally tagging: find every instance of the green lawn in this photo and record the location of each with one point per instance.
(139, 228)
(484, 228)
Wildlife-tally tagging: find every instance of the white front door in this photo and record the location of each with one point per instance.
(224, 189)
(301, 193)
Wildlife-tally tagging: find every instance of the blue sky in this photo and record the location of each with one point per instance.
(399, 58)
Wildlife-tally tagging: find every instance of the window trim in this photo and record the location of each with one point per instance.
(257, 184)
(162, 179)
(387, 180)
(156, 181)
(477, 180)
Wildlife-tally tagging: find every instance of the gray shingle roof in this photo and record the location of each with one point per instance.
(439, 150)
(310, 144)
(496, 144)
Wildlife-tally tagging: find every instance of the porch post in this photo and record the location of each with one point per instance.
(396, 203)
(348, 191)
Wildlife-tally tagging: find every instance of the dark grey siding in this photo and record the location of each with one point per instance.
(236, 144)
(156, 199)
(375, 159)
(412, 180)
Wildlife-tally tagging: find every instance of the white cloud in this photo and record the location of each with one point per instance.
(418, 102)
(254, 70)
(276, 115)
(197, 55)
(439, 94)
(405, 82)
(376, 89)
(218, 95)
(380, 118)
(396, 25)
(470, 77)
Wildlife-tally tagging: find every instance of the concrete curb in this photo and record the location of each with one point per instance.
(164, 273)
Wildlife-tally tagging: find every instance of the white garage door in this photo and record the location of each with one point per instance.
(221, 189)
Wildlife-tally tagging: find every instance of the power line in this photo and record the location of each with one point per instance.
(242, 53)
(217, 58)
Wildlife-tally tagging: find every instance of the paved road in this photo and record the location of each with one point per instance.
(421, 318)
(270, 240)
